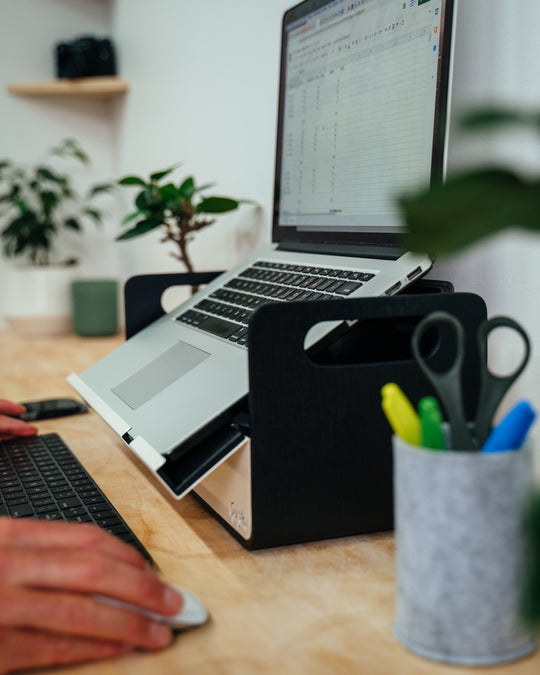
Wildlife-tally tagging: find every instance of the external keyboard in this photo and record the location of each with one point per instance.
(226, 311)
(40, 477)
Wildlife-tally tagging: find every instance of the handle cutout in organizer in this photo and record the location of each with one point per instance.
(440, 360)
(371, 341)
(174, 296)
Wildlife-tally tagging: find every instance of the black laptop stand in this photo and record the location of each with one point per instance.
(319, 456)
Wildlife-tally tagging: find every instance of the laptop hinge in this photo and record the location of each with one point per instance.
(382, 252)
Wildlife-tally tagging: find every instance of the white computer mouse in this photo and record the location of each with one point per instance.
(193, 612)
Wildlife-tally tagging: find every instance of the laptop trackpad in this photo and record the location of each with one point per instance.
(152, 378)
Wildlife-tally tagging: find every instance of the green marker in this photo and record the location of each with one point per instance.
(431, 431)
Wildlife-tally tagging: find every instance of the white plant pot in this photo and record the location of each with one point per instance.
(37, 299)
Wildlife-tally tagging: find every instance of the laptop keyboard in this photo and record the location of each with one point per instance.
(226, 311)
(40, 477)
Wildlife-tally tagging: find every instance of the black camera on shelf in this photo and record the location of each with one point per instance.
(85, 57)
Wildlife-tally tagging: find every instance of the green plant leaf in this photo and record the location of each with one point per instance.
(155, 177)
(200, 188)
(142, 227)
(132, 180)
(99, 189)
(187, 188)
(48, 200)
(21, 234)
(20, 203)
(94, 214)
(216, 205)
(72, 224)
(45, 173)
(143, 198)
(469, 207)
(169, 193)
(486, 118)
(20, 224)
(70, 148)
(135, 214)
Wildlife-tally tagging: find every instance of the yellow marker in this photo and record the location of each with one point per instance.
(400, 413)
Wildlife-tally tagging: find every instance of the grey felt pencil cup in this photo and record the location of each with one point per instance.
(459, 553)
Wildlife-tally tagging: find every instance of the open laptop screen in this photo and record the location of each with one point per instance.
(361, 115)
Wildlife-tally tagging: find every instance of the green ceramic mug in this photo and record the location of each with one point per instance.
(95, 307)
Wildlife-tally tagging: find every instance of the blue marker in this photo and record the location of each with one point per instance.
(511, 432)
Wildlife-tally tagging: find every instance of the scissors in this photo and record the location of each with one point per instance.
(448, 383)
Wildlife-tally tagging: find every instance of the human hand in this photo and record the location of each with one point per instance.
(50, 573)
(9, 426)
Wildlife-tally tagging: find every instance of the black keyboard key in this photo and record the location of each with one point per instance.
(16, 489)
(41, 501)
(191, 317)
(238, 334)
(88, 493)
(219, 327)
(63, 495)
(118, 529)
(48, 508)
(107, 522)
(68, 503)
(90, 501)
(348, 287)
(14, 501)
(82, 518)
(5, 484)
(294, 294)
(97, 506)
(104, 512)
(321, 284)
(21, 511)
(75, 511)
(334, 287)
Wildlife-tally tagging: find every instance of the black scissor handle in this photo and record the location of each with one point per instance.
(447, 384)
(493, 387)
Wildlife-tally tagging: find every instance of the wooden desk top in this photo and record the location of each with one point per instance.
(319, 608)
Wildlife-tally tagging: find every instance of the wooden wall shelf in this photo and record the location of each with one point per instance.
(96, 87)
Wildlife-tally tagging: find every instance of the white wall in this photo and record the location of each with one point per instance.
(204, 86)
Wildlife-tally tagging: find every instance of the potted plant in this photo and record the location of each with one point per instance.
(470, 206)
(37, 205)
(178, 210)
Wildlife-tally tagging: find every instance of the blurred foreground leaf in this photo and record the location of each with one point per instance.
(469, 207)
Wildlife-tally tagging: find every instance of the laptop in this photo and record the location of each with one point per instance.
(361, 119)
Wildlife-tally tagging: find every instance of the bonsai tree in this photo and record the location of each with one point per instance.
(39, 203)
(178, 210)
(468, 207)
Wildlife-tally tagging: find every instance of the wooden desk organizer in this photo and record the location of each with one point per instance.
(316, 462)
